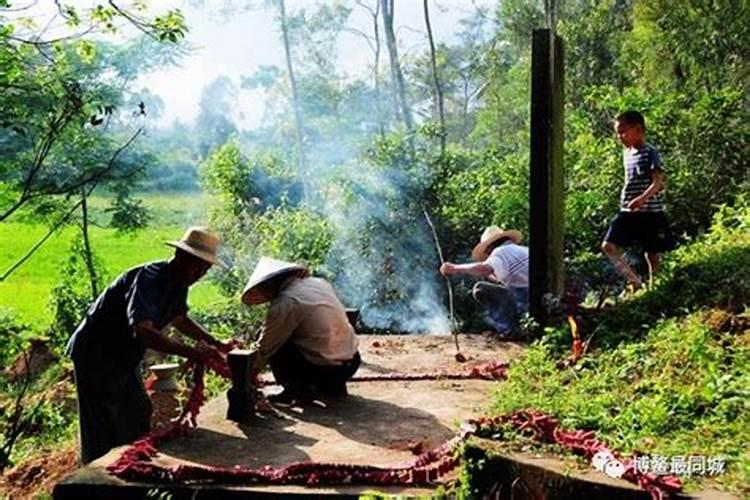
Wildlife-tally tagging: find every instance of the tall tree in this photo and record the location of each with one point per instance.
(438, 90)
(397, 76)
(298, 123)
(214, 122)
(374, 43)
(57, 104)
(52, 87)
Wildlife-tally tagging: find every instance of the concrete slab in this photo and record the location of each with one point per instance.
(523, 475)
(382, 423)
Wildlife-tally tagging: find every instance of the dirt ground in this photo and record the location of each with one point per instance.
(430, 353)
(38, 476)
(384, 422)
(389, 422)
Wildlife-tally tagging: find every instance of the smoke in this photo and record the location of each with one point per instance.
(382, 258)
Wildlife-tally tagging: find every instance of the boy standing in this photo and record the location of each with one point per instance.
(641, 220)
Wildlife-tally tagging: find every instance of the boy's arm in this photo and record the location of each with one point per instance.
(657, 183)
(478, 269)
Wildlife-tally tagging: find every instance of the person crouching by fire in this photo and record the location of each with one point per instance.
(502, 265)
(306, 338)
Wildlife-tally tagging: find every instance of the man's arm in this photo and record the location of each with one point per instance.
(657, 183)
(187, 326)
(150, 337)
(277, 329)
(478, 269)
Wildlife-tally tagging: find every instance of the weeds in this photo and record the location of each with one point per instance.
(671, 371)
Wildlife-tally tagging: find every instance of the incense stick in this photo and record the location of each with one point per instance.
(447, 280)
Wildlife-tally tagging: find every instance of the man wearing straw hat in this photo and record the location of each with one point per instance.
(306, 338)
(503, 264)
(128, 317)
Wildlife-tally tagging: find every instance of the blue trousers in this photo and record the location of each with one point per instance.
(504, 306)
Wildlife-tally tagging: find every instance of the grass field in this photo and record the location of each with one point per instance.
(179, 209)
(27, 291)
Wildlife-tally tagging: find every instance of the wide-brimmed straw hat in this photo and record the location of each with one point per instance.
(266, 269)
(201, 243)
(490, 236)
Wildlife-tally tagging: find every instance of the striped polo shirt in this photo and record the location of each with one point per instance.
(639, 163)
(510, 264)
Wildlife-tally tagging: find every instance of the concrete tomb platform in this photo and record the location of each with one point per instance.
(382, 423)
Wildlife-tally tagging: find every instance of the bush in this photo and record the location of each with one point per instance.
(72, 296)
(14, 334)
(714, 271)
(672, 368)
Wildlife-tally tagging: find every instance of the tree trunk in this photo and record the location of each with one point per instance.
(376, 68)
(87, 254)
(375, 47)
(298, 124)
(465, 112)
(438, 95)
(397, 77)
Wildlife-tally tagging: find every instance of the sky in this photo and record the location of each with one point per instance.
(238, 45)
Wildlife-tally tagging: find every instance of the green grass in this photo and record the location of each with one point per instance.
(671, 372)
(27, 291)
(179, 209)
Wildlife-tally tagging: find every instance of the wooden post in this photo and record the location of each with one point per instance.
(241, 396)
(546, 175)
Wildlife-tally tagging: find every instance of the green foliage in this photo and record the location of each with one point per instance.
(672, 374)
(486, 189)
(229, 318)
(28, 292)
(170, 27)
(128, 215)
(14, 333)
(73, 294)
(246, 184)
(257, 216)
(61, 130)
(44, 408)
(295, 235)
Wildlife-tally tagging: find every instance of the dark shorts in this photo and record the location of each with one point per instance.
(648, 230)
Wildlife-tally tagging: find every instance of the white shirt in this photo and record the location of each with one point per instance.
(510, 265)
(308, 313)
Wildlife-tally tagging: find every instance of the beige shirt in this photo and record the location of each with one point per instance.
(308, 313)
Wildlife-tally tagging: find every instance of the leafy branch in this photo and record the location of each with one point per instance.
(91, 182)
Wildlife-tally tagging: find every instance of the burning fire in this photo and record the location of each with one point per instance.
(577, 350)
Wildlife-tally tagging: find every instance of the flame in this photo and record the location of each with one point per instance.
(573, 327)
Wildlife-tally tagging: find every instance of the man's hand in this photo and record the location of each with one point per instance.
(636, 203)
(202, 351)
(225, 347)
(447, 268)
